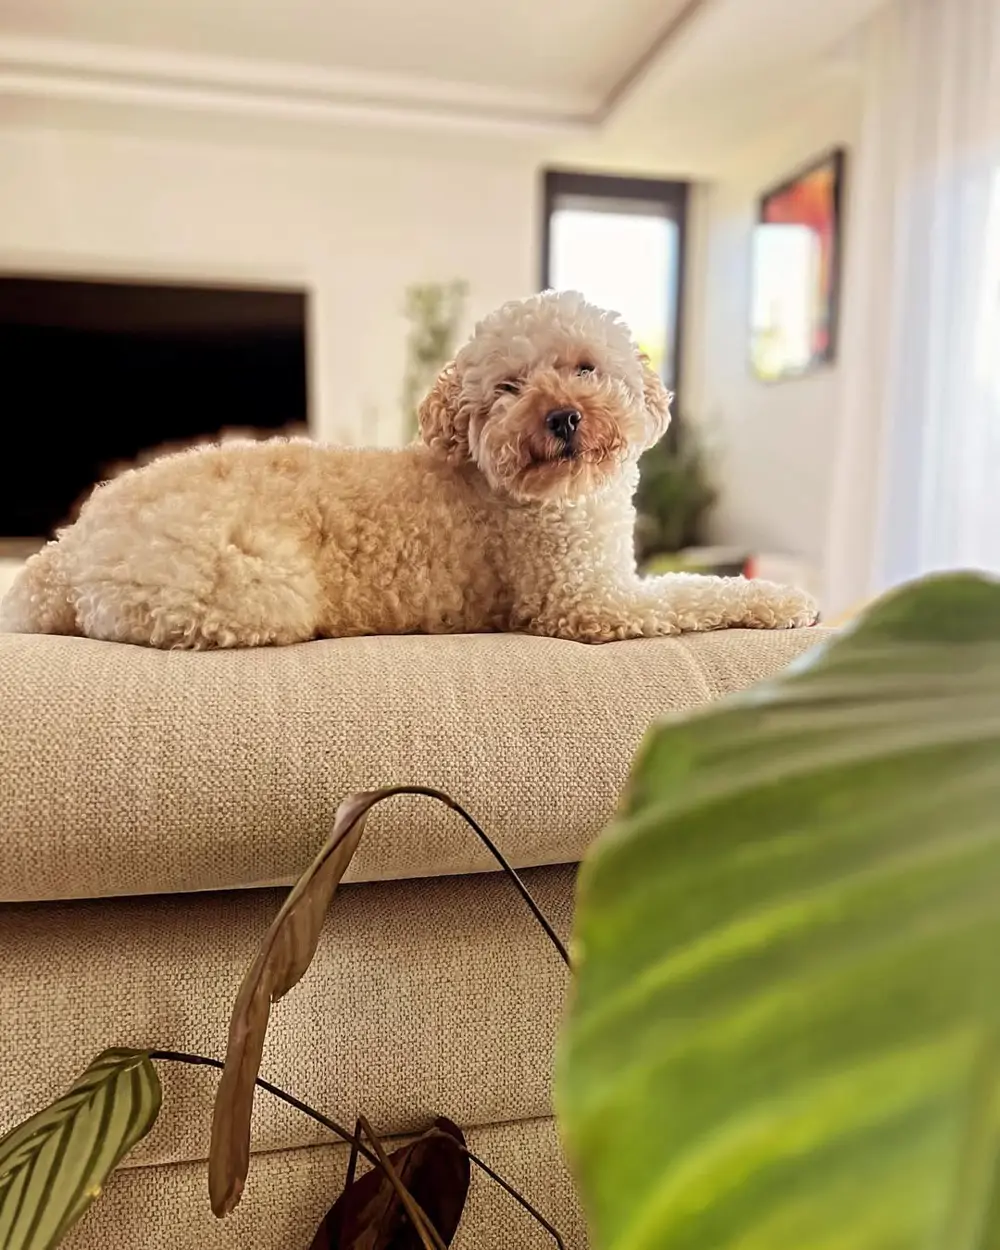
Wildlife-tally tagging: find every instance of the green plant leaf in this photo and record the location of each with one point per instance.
(52, 1166)
(785, 1023)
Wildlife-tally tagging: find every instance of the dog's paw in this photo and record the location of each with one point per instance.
(780, 607)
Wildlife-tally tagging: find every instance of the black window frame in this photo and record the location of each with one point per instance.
(673, 195)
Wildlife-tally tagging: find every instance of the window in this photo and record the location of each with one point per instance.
(621, 242)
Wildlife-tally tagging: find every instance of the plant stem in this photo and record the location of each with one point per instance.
(378, 1159)
(518, 1198)
(202, 1061)
(522, 889)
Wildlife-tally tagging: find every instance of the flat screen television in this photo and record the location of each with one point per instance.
(99, 374)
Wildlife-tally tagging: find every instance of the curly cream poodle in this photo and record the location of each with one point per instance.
(512, 512)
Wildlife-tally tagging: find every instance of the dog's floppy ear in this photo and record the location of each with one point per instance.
(444, 425)
(658, 400)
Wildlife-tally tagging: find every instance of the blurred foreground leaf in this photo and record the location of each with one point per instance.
(784, 1030)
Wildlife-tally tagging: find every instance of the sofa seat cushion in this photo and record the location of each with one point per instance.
(130, 771)
(289, 1192)
(430, 997)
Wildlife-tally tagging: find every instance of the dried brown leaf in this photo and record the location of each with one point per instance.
(284, 956)
(369, 1215)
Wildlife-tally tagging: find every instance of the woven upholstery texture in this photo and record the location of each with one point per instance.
(426, 997)
(166, 1208)
(127, 771)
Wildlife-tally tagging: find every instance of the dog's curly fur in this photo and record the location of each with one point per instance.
(492, 522)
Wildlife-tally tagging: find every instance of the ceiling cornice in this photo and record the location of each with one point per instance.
(265, 90)
(72, 71)
(633, 77)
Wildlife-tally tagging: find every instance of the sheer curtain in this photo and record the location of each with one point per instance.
(917, 486)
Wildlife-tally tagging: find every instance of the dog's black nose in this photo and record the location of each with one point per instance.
(563, 422)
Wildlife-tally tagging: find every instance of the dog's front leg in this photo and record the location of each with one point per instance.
(673, 603)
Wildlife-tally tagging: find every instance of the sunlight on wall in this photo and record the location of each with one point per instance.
(786, 263)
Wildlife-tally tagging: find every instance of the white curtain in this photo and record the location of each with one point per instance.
(917, 485)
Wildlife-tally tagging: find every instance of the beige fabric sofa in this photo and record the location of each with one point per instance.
(151, 803)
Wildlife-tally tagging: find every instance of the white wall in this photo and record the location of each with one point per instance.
(775, 442)
(355, 223)
(358, 219)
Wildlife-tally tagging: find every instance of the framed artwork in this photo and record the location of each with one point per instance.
(797, 246)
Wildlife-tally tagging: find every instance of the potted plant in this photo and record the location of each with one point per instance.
(676, 493)
(434, 311)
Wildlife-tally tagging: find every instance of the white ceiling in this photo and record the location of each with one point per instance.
(571, 51)
(740, 70)
(653, 83)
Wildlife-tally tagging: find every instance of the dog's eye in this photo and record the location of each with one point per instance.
(585, 369)
(509, 388)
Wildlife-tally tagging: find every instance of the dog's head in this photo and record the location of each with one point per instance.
(550, 398)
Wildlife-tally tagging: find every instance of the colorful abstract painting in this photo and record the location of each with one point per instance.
(797, 247)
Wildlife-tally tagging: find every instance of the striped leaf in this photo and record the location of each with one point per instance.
(785, 1027)
(52, 1166)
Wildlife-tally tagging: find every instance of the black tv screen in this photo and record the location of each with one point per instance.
(98, 375)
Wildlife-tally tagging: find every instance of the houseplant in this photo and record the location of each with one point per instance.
(434, 311)
(54, 1165)
(675, 495)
